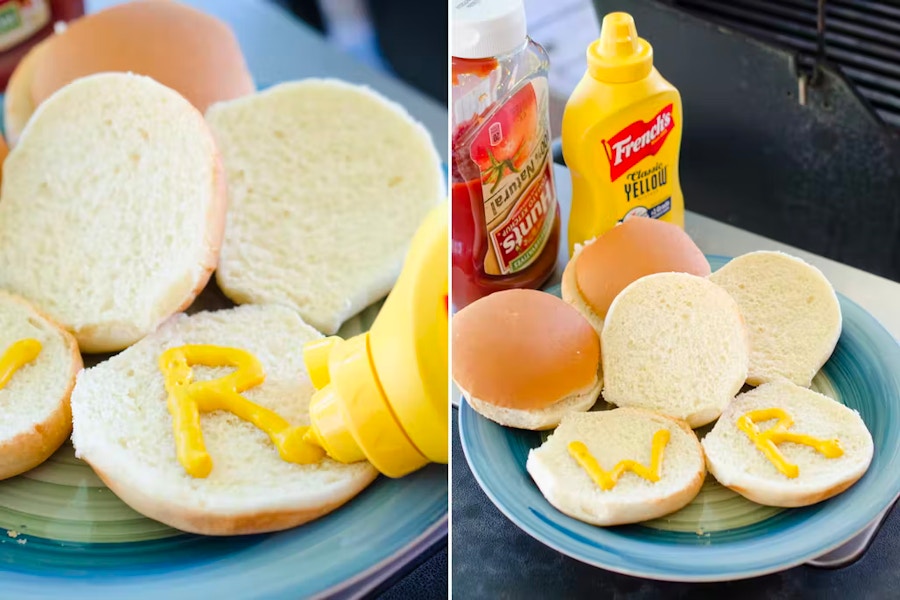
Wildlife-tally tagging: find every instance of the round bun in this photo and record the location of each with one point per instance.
(537, 419)
(37, 418)
(289, 147)
(676, 344)
(113, 208)
(525, 350)
(792, 313)
(189, 51)
(123, 429)
(612, 436)
(640, 246)
(736, 462)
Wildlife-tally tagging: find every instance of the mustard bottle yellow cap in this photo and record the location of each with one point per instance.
(350, 417)
(619, 55)
(382, 395)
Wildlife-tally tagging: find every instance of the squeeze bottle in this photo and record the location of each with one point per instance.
(621, 136)
(505, 215)
(382, 395)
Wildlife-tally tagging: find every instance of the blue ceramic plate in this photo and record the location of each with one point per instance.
(63, 534)
(720, 536)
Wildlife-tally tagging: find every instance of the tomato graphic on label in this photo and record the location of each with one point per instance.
(505, 142)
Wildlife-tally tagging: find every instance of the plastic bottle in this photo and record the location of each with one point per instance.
(621, 136)
(24, 23)
(383, 394)
(505, 214)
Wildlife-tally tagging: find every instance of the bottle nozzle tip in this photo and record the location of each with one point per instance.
(316, 356)
(618, 35)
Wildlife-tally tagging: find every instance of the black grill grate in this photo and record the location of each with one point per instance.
(862, 37)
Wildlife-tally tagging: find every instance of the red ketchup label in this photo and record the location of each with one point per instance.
(637, 141)
(512, 151)
(520, 237)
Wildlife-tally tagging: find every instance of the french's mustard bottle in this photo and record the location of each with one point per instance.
(621, 136)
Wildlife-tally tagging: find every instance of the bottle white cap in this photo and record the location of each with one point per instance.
(484, 28)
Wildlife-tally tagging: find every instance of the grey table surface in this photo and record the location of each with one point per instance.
(279, 47)
(492, 558)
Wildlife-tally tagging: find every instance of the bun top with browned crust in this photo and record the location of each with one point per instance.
(640, 246)
(191, 52)
(523, 349)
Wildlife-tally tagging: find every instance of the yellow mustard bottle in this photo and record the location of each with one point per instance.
(621, 136)
(382, 395)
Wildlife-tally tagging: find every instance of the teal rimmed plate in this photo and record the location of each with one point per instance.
(720, 536)
(63, 534)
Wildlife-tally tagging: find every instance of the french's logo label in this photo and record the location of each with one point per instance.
(637, 141)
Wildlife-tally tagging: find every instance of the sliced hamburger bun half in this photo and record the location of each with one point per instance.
(604, 266)
(674, 343)
(737, 462)
(792, 313)
(623, 434)
(123, 429)
(524, 358)
(35, 416)
(112, 208)
(327, 184)
(187, 50)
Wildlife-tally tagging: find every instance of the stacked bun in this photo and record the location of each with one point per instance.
(524, 358)
(182, 48)
(604, 266)
(674, 343)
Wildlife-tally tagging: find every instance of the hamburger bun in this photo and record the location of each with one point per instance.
(36, 417)
(123, 430)
(327, 184)
(604, 266)
(525, 358)
(737, 463)
(674, 343)
(113, 209)
(189, 51)
(612, 436)
(792, 313)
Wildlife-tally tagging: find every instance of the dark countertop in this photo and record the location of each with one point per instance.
(492, 558)
(427, 580)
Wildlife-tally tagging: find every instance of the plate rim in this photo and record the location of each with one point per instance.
(465, 412)
(361, 582)
(644, 574)
(361, 577)
(367, 578)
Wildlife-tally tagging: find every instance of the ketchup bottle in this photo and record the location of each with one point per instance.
(505, 227)
(24, 23)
